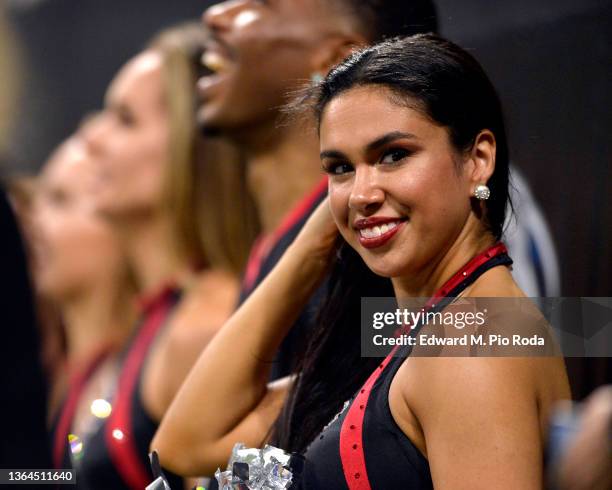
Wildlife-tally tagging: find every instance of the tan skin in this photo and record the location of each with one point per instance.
(79, 266)
(585, 465)
(477, 429)
(250, 40)
(128, 141)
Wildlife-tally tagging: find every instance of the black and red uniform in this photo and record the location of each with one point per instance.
(363, 448)
(115, 456)
(266, 252)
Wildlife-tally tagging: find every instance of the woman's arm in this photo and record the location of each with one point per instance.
(480, 418)
(205, 306)
(226, 398)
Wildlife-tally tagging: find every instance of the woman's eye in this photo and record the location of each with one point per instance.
(338, 168)
(125, 117)
(394, 156)
(57, 197)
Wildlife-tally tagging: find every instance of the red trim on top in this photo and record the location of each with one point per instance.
(469, 268)
(77, 384)
(265, 243)
(352, 454)
(148, 301)
(121, 445)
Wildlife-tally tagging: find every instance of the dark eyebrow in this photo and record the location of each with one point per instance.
(388, 138)
(374, 145)
(332, 154)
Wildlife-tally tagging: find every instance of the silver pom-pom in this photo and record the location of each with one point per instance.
(256, 469)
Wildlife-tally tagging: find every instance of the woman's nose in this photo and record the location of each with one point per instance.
(92, 131)
(366, 194)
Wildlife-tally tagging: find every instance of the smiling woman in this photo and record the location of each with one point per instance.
(412, 179)
(411, 131)
(179, 206)
(406, 156)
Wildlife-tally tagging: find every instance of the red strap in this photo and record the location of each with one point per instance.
(351, 433)
(77, 384)
(254, 264)
(264, 244)
(151, 300)
(118, 432)
(468, 269)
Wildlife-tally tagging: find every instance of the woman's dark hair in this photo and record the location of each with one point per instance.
(444, 82)
(331, 368)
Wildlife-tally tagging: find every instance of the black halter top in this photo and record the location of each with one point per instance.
(363, 448)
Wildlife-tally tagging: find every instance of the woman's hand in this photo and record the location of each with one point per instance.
(317, 238)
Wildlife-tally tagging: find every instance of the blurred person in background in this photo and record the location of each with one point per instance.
(80, 267)
(183, 225)
(580, 450)
(22, 190)
(259, 54)
(23, 409)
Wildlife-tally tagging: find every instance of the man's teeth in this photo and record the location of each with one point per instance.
(376, 231)
(213, 61)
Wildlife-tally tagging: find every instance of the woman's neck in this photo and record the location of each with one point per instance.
(283, 167)
(425, 282)
(94, 320)
(152, 252)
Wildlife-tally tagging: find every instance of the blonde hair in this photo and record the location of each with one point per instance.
(206, 192)
(9, 77)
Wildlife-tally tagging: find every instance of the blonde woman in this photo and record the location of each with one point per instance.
(81, 270)
(182, 222)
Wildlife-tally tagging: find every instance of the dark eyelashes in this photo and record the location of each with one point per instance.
(397, 154)
(391, 156)
(126, 118)
(334, 167)
(124, 115)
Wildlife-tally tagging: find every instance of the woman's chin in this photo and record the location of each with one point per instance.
(383, 266)
(383, 269)
(111, 207)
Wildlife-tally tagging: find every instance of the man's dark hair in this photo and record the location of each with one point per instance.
(382, 19)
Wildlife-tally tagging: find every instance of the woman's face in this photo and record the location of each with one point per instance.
(397, 188)
(128, 140)
(74, 248)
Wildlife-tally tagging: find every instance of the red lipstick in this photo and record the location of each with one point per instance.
(380, 240)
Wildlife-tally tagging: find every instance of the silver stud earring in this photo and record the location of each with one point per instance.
(482, 192)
